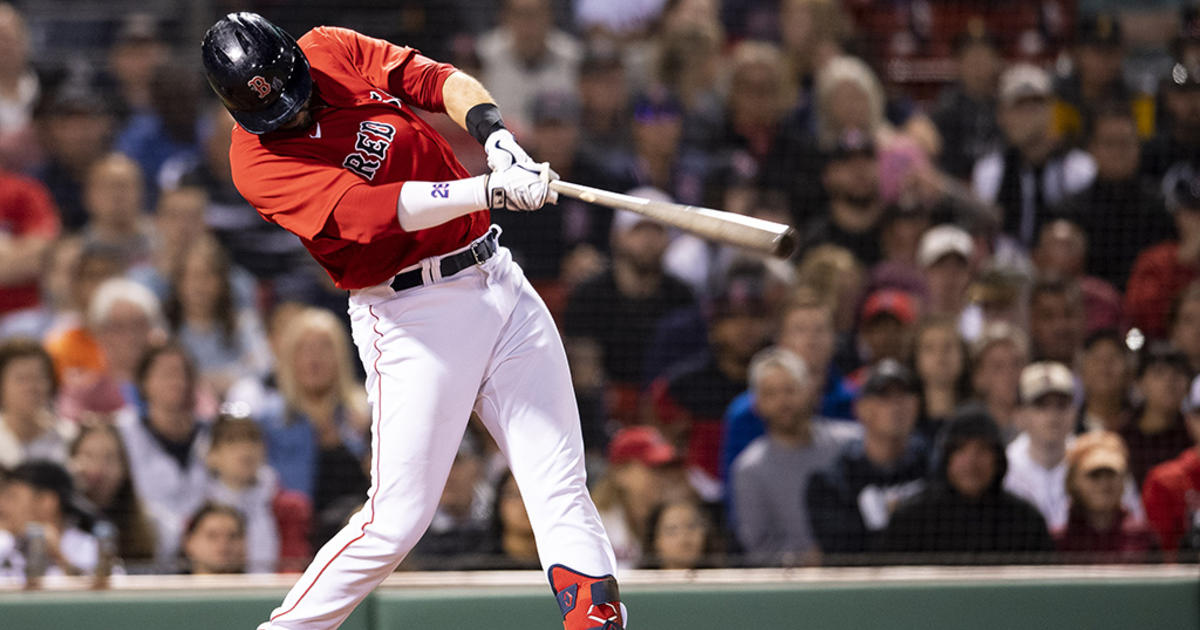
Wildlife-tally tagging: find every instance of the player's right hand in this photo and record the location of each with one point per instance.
(521, 187)
(503, 151)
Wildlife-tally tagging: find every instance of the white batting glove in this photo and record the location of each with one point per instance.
(521, 187)
(503, 151)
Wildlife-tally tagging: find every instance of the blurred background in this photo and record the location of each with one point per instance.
(983, 353)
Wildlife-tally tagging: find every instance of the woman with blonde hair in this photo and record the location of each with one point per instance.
(316, 432)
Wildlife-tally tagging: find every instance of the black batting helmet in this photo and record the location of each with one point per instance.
(257, 69)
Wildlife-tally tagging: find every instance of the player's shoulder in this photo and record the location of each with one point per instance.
(326, 34)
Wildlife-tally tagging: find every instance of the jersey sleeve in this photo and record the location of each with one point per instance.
(400, 70)
(309, 197)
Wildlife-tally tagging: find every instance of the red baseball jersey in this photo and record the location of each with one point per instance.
(336, 183)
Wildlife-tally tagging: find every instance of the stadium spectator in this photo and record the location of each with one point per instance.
(260, 392)
(100, 466)
(29, 428)
(1037, 458)
(1161, 272)
(114, 197)
(460, 530)
(1061, 251)
(850, 503)
(1178, 138)
(41, 494)
(769, 478)
(965, 510)
(760, 96)
(31, 224)
(965, 112)
(226, 340)
(1184, 331)
(806, 329)
(1101, 527)
(1105, 374)
(1171, 489)
(946, 256)
(604, 101)
(526, 55)
(1097, 80)
(834, 273)
(136, 53)
(515, 544)
(997, 358)
(75, 125)
(885, 329)
(214, 542)
(20, 89)
(688, 402)
(940, 364)
(177, 215)
(660, 159)
(1121, 212)
(636, 481)
(1156, 431)
(316, 431)
(610, 319)
(167, 444)
(850, 177)
(240, 478)
(680, 536)
(1056, 319)
(688, 62)
(1032, 174)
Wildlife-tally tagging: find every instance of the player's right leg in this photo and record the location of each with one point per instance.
(424, 353)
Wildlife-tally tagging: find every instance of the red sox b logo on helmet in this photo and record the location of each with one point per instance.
(260, 86)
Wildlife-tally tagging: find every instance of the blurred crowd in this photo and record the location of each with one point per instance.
(985, 349)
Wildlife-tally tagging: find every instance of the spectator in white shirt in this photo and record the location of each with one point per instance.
(1037, 467)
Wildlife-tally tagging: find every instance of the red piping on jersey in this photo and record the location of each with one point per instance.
(375, 455)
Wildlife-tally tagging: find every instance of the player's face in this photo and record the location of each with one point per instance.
(302, 120)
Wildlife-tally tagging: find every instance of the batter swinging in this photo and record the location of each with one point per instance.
(328, 146)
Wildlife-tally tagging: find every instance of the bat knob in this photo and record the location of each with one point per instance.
(786, 244)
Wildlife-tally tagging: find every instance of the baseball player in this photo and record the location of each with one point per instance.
(328, 146)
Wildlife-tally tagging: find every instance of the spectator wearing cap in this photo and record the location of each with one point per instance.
(636, 481)
(610, 319)
(1061, 251)
(689, 400)
(20, 89)
(29, 428)
(997, 358)
(1171, 493)
(1037, 458)
(1102, 527)
(660, 158)
(526, 55)
(31, 224)
(885, 329)
(771, 474)
(850, 178)
(75, 125)
(965, 510)
(1105, 374)
(850, 502)
(945, 255)
(1031, 175)
(1178, 138)
(1097, 56)
(965, 113)
(1161, 272)
(40, 494)
(1156, 431)
(1121, 211)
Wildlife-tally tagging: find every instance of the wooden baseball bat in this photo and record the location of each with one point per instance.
(754, 234)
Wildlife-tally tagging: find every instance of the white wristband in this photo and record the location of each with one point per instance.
(423, 205)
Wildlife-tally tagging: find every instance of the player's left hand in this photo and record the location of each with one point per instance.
(503, 151)
(522, 187)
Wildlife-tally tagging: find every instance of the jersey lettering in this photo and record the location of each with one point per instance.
(260, 86)
(370, 148)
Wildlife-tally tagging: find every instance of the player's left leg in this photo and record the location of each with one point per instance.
(528, 405)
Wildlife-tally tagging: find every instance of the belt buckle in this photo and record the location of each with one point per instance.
(478, 252)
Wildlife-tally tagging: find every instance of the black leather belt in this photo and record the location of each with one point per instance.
(476, 254)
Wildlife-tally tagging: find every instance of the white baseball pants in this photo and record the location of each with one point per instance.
(479, 340)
